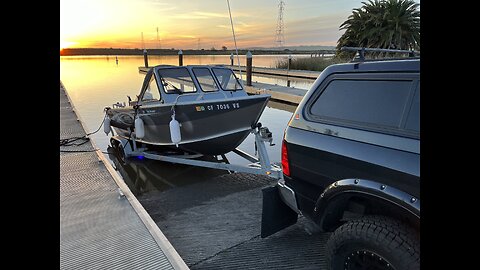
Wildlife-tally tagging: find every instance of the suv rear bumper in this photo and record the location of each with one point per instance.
(288, 195)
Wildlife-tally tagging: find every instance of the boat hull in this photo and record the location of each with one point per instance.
(207, 127)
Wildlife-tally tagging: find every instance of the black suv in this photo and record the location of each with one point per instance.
(351, 163)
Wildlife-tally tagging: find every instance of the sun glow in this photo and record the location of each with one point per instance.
(66, 44)
(197, 24)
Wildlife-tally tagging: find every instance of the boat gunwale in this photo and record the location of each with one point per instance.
(196, 102)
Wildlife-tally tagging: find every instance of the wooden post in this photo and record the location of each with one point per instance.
(289, 61)
(288, 68)
(145, 57)
(231, 59)
(249, 68)
(180, 58)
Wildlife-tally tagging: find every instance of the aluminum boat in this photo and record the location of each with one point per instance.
(201, 109)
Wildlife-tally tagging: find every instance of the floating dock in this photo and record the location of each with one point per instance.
(102, 224)
(278, 92)
(304, 74)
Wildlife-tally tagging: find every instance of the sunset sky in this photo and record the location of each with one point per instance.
(189, 24)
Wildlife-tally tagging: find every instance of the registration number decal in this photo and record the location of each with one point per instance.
(216, 107)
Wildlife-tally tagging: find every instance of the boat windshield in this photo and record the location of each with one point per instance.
(151, 92)
(205, 78)
(176, 81)
(228, 80)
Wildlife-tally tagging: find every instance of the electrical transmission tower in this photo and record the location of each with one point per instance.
(279, 38)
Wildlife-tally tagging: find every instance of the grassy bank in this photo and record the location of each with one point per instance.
(309, 63)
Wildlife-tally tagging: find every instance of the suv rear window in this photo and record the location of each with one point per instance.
(413, 119)
(373, 102)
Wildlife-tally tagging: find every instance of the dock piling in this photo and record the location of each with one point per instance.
(288, 68)
(289, 61)
(249, 68)
(180, 58)
(231, 59)
(145, 57)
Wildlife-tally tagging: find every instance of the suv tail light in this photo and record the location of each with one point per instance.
(285, 165)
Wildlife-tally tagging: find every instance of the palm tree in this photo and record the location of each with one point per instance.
(382, 24)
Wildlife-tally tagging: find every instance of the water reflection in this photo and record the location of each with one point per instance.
(282, 106)
(144, 175)
(268, 61)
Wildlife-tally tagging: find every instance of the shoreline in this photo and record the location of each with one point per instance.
(112, 51)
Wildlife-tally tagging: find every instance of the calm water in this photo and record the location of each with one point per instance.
(96, 82)
(258, 60)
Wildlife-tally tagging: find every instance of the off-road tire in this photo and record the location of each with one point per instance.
(377, 242)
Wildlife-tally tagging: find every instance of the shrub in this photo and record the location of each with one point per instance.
(309, 63)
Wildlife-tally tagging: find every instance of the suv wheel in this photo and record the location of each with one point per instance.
(374, 242)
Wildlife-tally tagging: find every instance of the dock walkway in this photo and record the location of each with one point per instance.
(278, 92)
(293, 73)
(100, 227)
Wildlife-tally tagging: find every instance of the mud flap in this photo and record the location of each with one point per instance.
(276, 215)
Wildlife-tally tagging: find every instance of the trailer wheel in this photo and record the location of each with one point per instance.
(119, 151)
(374, 242)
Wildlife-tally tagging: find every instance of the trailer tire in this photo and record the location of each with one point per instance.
(119, 151)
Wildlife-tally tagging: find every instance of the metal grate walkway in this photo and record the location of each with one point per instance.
(98, 228)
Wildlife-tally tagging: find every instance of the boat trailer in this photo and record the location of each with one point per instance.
(260, 165)
(276, 214)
